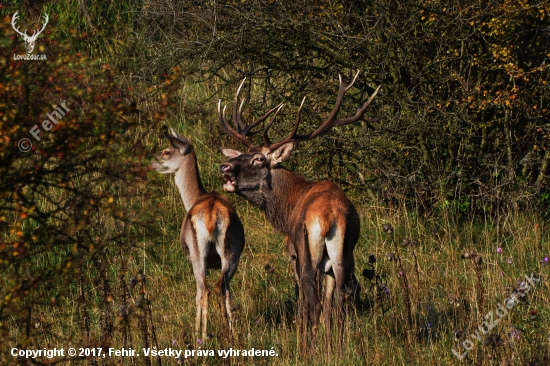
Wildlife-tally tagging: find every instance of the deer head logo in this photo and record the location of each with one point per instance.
(29, 40)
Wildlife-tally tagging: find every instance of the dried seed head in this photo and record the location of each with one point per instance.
(391, 257)
(493, 340)
(533, 315)
(372, 258)
(458, 334)
(368, 274)
(142, 302)
(124, 312)
(454, 299)
(269, 269)
(387, 228)
(465, 256)
(137, 278)
(235, 308)
(140, 277)
(405, 242)
(209, 336)
(133, 282)
(478, 260)
(414, 243)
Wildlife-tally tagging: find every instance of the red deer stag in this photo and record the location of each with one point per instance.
(212, 235)
(320, 224)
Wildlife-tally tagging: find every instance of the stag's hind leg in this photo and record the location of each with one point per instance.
(343, 275)
(327, 309)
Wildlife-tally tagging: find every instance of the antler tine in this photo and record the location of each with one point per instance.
(352, 82)
(237, 116)
(342, 90)
(360, 112)
(331, 120)
(292, 134)
(266, 129)
(231, 132)
(241, 130)
(261, 119)
(240, 116)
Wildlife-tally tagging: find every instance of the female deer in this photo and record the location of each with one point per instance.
(212, 235)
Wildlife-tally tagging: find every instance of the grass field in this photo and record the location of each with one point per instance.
(447, 293)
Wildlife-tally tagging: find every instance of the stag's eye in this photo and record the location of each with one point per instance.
(258, 160)
(165, 153)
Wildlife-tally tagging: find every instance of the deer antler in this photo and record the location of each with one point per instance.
(241, 130)
(331, 120)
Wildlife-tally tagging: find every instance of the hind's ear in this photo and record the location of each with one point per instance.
(183, 146)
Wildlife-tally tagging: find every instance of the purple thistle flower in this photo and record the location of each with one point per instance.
(509, 260)
(199, 341)
(545, 259)
(499, 250)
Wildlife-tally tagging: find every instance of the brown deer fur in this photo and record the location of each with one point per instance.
(320, 224)
(212, 235)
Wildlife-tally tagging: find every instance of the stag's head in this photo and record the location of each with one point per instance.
(171, 159)
(29, 40)
(249, 171)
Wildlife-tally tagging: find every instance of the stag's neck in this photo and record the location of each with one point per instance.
(279, 199)
(188, 181)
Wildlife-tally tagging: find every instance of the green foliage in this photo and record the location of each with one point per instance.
(66, 205)
(465, 87)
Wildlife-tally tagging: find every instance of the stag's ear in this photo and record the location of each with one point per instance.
(281, 153)
(230, 153)
(182, 145)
